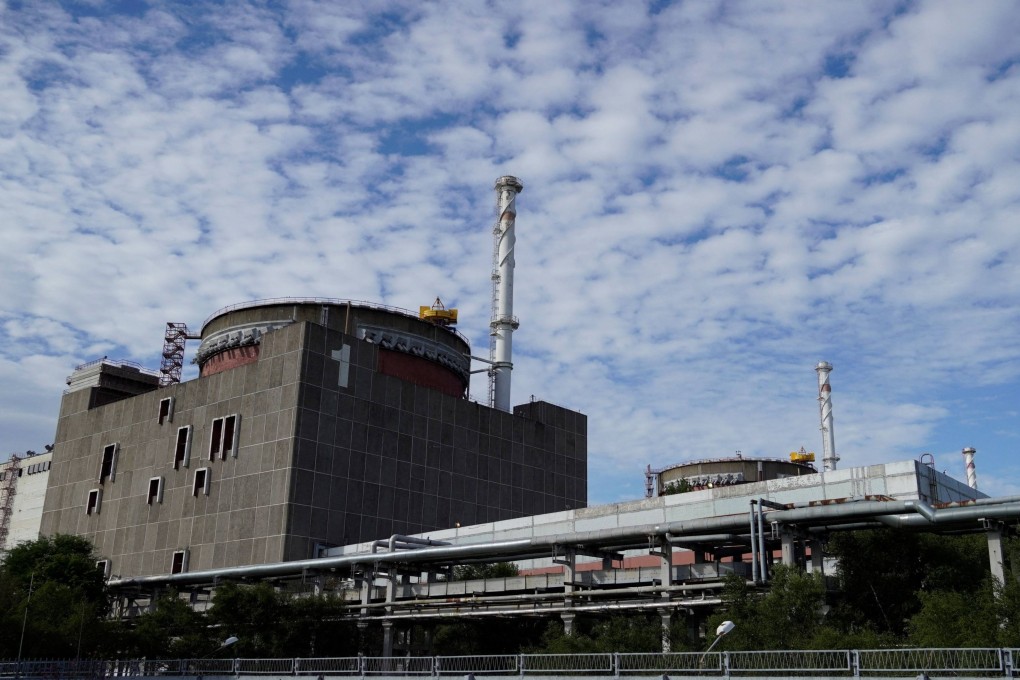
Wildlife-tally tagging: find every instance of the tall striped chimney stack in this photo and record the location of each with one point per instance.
(968, 458)
(503, 322)
(829, 458)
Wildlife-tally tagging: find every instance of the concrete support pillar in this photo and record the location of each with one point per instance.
(789, 548)
(569, 562)
(667, 624)
(391, 587)
(817, 557)
(366, 591)
(362, 629)
(569, 571)
(995, 561)
(387, 638)
(665, 553)
(568, 623)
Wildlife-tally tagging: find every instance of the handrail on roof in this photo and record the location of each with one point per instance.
(116, 362)
(319, 301)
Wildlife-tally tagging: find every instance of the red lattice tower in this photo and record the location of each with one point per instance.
(8, 488)
(173, 353)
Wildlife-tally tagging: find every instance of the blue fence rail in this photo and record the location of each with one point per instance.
(907, 663)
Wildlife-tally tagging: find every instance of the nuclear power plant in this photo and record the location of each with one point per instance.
(313, 423)
(328, 440)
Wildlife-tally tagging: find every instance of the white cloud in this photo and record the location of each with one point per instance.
(717, 197)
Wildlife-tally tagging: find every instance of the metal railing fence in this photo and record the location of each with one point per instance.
(885, 663)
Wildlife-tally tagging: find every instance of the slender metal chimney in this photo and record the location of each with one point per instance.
(503, 322)
(968, 458)
(829, 457)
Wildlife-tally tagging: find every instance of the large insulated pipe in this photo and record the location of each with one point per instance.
(503, 323)
(754, 547)
(829, 457)
(968, 458)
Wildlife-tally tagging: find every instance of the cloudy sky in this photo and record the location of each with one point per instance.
(718, 195)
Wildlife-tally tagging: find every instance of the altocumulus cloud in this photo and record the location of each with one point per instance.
(718, 195)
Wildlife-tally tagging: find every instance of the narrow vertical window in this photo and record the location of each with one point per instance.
(103, 567)
(155, 490)
(201, 483)
(95, 498)
(108, 468)
(179, 562)
(216, 439)
(230, 434)
(166, 410)
(182, 450)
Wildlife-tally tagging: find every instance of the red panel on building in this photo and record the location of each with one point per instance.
(420, 372)
(230, 358)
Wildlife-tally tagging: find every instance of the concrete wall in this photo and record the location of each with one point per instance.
(243, 518)
(329, 452)
(381, 455)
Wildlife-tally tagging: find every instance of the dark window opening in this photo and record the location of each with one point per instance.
(108, 468)
(228, 435)
(103, 566)
(166, 410)
(179, 563)
(182, 452)
(201, 484)
(215, 443)
(155, 491)
(94, 499)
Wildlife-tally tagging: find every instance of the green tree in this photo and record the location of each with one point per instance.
(884, 574)
(170, 629)
(316, 627)
(272, 623)
(788, 616)
(954, 619)
(616, 633)
(486, 636)
(467, 572)
(63, 558)
(50, 589)
(255, 614)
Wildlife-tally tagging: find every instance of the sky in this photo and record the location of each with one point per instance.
(717, 196)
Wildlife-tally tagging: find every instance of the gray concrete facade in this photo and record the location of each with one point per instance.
(328, 452)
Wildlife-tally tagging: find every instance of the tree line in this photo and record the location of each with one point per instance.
(893, 588)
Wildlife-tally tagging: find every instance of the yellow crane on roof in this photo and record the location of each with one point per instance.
(802, 456)
(438, 314)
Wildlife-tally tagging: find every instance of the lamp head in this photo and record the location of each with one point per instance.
(725, 627)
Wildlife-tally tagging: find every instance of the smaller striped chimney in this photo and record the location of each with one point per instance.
(968, 457)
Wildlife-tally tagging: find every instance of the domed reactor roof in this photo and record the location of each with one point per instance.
(410, 348)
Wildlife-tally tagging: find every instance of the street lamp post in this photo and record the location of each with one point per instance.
(724, 628)
(226, 643)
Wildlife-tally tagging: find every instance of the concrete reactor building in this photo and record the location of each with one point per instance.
(313, 423)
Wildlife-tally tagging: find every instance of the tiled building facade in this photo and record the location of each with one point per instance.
(306, 442)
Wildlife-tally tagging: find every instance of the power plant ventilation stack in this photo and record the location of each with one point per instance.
(829, 457)
(968, 458)
(503, 322)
